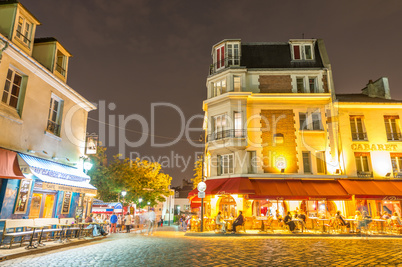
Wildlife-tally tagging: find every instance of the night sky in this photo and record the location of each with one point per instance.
(135, 53)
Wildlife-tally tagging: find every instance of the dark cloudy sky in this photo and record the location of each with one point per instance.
(134, 53)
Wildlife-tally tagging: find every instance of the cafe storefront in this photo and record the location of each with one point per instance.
(47, 189)
(316, 198)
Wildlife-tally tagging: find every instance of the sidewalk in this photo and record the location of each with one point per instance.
(16, 252)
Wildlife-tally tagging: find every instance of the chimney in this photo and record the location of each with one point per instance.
(379, 88)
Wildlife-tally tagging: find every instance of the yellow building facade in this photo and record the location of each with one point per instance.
(280, 139)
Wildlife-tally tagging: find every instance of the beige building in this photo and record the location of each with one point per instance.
(42, 119)
(280, 139)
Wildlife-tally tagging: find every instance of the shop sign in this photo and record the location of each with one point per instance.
(317, 198)
(91, 145)
(374, 147)
(392, 198)
(65, 208)
(55, 174)
(58, 187)
(23, 196)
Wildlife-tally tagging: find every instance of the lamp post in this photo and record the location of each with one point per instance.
(202, 180)
(123, 194)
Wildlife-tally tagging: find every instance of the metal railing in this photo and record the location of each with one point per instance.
(60, 69)
(239, 133)
(224, 63)
(393, 136)
(359, 136)
(53, 127)
(24, 38)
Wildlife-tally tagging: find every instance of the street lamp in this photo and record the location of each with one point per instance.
(123, 194)
(202, 180)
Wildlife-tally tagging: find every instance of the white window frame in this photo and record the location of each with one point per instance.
(359, 162)
(320, 159)
(309, 161)
(398, 163)
(310, 121)
(306, 84)
(229, 168)
(392, 134)
(61, 68)
(235, 88)
(54, 98)
(238, 124)
(218, 87)
(24, 30)
(219, 129)
(302, 51)
(356, 128)
(233, 58)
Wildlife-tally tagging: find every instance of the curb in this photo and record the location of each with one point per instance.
(47, 249)
(285, 235)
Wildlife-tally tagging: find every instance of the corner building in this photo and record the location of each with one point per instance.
(43, 124)
(280, 139)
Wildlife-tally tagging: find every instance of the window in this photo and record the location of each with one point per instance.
(306, 162)
(55, 114)
(312, 85)
(24, 31)
(219, 87)
(238, 124)
(392, 128)
(233, 54)
(12, 88)
(357, 127)
(219, 127)
(300, 85)
(236, 83)
(396, 161)
(225, 165)
(252, 165)
(310, 121)
(321, 165)
(220, 57)
(362, 162)
(302, 52)
(61, 63)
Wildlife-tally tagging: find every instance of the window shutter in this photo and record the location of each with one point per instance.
(296, 51)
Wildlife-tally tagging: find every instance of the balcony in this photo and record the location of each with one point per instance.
(359, 136)
(53, 128)
(224, 63)
(394, 136)
(238, 133)
(361, 174)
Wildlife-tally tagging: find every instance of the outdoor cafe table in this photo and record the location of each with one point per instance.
(227, 222)
(312, 221)
(323, 225)
(352, 224)
(262, 219)
(381, 221)
(33, 233)
(63, 232)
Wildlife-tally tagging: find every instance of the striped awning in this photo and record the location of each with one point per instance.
(56, 176)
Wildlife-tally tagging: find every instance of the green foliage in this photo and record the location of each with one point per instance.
(197, 173)
(140, 179)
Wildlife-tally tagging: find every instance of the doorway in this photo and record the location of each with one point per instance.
(42, 205)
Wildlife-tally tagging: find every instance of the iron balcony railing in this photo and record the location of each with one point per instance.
(361, 174)
(224, 63)
(60, 69)
(24, 38)
(238, 133)
(359, 136)
(53, 127)
(393, 136)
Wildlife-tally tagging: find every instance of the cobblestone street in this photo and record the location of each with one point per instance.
(171, 248)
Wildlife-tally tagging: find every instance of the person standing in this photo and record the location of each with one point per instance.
(113, 222)
(151, 218)
(127, 222)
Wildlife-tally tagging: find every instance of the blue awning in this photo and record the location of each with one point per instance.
(66, 178)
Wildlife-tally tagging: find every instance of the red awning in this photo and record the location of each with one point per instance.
(213, 186)
(241, 185)
(369, 189)
(298, 189)
(195, 202)
(9, 168)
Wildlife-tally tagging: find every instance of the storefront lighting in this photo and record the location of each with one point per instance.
(87, 165)
(140, 200)
(123, 193)
(31, 151)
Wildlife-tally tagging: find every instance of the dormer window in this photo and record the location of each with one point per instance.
(24, 31)
(225, 54)
(61, 63)
(302, 51)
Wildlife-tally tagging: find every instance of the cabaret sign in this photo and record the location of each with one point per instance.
(374, 147)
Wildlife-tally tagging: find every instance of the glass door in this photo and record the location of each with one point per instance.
(36, 202)
(48, 207)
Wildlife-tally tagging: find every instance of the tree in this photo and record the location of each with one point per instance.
(140, 179)
(197, 173)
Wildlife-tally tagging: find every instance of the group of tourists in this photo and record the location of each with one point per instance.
(122, 223)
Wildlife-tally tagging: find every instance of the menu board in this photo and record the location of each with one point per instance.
(65, 208)
(78, 214)
(23, 196)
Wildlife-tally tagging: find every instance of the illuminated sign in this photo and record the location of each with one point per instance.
(374, 147)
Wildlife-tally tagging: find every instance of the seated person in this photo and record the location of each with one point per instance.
(395, 218)
(88, 219)
(288, 220)
(341, 220)
(239, 221)
(385, 216)
(219, 221)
